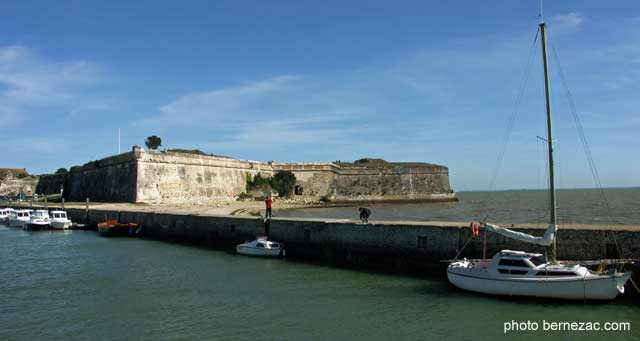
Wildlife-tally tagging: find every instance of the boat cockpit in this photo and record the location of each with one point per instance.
(522, 264)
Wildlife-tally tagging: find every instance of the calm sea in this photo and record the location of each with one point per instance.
(587, 206)
(76, 285)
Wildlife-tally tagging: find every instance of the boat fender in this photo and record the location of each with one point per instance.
(475, 229)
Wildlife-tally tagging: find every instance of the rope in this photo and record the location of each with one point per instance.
(634, 285)
(463, 246)
(585, 143)
(514, 113)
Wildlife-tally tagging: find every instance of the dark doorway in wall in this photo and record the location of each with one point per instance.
(298, 190)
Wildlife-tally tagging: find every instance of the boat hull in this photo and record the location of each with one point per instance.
(112, 228)
(601, 287)
(36, 226)
(60, 225)
(18, 223)
(114, 231)
(259, 252)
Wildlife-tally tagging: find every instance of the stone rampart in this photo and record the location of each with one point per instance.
(165, 177)
(184, 178)
(383, 182)
(109, 179)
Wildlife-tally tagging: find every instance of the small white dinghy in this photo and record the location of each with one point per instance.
(261, 247)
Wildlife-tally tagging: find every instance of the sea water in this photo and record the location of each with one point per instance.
(76, 285)
(578, 206)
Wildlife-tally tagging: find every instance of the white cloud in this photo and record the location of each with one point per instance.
(216, 107)
(316, 129)
(565, 23)
(27, 80)
(626, 53)
(32, 145)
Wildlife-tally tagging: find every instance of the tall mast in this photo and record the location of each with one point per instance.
(552, 188)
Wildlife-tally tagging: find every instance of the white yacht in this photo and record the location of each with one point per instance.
(59, 220)
(261, 247)
(39, 220)
(4, 215)
(19, 218)
(529, 274)
(518, 273)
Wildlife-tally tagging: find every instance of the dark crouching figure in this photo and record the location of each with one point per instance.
(365, 213)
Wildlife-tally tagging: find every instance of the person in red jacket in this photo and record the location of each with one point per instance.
(268, 202)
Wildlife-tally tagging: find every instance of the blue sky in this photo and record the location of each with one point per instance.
(289, 81)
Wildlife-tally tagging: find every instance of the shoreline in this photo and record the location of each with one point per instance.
(226, 207)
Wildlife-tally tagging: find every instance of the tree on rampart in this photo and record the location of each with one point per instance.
(283, 182)
(153, 142)
(258, 182)
(61, 171)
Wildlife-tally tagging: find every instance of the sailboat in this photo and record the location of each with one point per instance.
(518, 273)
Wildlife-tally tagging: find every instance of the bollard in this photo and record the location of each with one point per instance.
(86, 212)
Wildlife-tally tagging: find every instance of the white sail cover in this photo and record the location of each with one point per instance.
(545, 240)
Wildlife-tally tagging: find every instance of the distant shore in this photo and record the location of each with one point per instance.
(226, 207)
(246, 208)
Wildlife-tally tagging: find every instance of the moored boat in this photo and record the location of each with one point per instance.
(261, 247)
(19, 218)
(517, 273)
(39, 220)
(112, 228)
(59, 220)
(4, 215)
(520, 273)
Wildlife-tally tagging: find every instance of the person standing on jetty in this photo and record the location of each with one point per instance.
(269, 203)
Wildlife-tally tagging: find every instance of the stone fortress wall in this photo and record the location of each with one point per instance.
(182, 178)
(371, 180)
(112, 179)
(191, 178)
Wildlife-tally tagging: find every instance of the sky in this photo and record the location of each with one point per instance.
(307, 81)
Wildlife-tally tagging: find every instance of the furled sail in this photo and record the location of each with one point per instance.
(545, 240)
